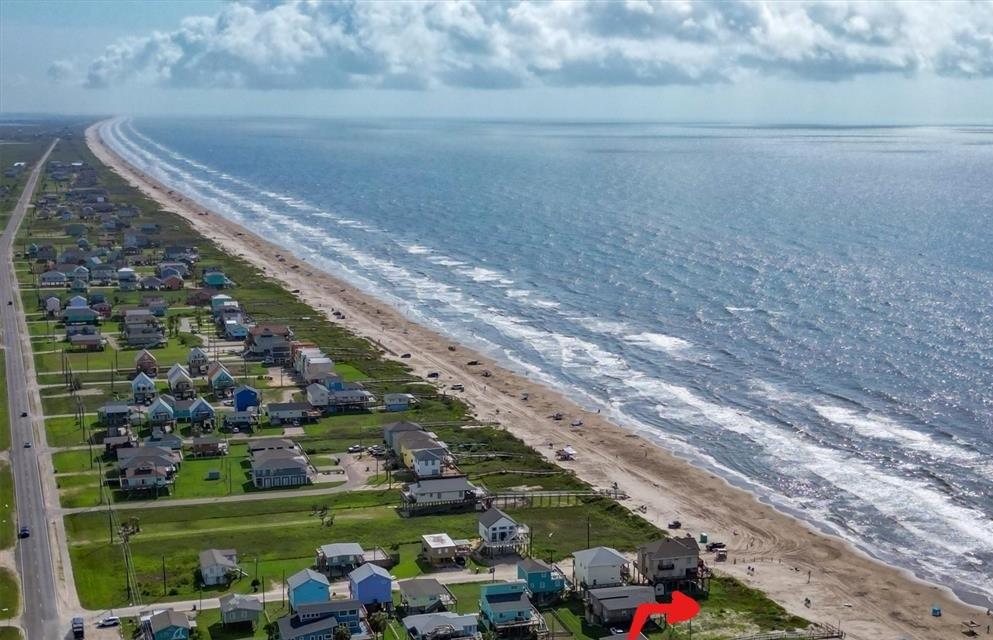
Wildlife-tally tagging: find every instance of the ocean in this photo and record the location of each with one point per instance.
(806, 311)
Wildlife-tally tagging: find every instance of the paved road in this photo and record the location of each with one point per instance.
(40, 617)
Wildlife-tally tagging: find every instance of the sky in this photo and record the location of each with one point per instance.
(736, 61)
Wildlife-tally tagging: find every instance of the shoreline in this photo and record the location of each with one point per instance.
(872, 600)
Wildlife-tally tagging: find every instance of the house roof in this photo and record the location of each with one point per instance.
(396, 427)
(288, 406)
(423, 624)
(292, 627)
(276, 329)
(237, 601)
(262, 444)
(168, 618)
(144, 354)
(222, 557)
(533, 565)
(619, 598)
(512, 601)
(304, 576)
(142, 378)
(438, 540)
(442, 484)
(421, 588)
(342, 549)
(329, 606)
(599, 557)
(243, 388)
(672, 547)
(492, 516)
(368, 570)
(278, 459)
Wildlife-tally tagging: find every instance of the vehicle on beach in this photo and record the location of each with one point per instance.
(487, 373)
(472, 363)
(576, 423)
(675, 524)
(557, 416)
(714, 546)
(404, 355)
(433, 374)
(722, 555)
(458, 387)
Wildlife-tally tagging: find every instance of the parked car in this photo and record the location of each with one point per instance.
(714, 546)
(355, 448)
(109, 621)
(458, 387)
(433, 374)
(405, 355)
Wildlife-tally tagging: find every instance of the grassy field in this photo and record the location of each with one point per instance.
(368, 517)
(10, 593)
(7, 525)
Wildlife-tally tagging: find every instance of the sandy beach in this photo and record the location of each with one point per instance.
(792, 561)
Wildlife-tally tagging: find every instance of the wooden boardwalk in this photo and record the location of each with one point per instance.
(821, 632)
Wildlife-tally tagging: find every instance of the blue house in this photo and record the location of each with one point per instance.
(318, 621)
(308, 587)
(544, 582)
(371, 585)
(201, 411)
(245, 397)
(504, 606)
(167, 625)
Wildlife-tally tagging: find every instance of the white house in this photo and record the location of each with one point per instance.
(142, 388)
(398, 401)
(598, 567)
(53, 306)
(496, 527)
(218, 566)
(318, 395)
(430, 490)
(427, 463)
(180, 382)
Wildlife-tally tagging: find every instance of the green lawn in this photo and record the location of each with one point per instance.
(10, 593)
(7, 525)
(63, 432)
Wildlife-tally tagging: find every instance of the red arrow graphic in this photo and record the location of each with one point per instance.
(681, 609)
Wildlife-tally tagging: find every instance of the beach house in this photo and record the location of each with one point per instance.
(398, 401)
(53, 279)
(283, 412)
(218, 566)
(599, 567)
(161, 412)
(424, 595)
(319, 620)
(145, 362)
(180, 382)
(339, 558)
(239, 610)
(270, 342)
(197, 361)
(142, 389)
(545, 583)
(371, 585)
(616, 606)
(166, 625)
(220, 379)
(394, 429)
(439, 549)
(673, 564)
(501, 534)
(442, 625)
(307, 587)
(505, 609)
(280, 468)
(446, 493)
(244, 397)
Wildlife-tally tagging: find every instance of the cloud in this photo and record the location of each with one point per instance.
(62, 71)
(312, 44)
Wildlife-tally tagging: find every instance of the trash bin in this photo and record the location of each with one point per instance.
(703, 538)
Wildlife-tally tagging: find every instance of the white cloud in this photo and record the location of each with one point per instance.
(312, 44)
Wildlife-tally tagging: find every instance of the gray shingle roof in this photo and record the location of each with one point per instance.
(421, 587)
(304, 576)
(236, 601)
(599, 557)
(619, 598)
(490, 517)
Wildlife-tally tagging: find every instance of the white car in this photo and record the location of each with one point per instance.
(109, 621)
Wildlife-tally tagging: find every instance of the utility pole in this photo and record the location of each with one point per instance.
(163, 576)
(587, 532)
